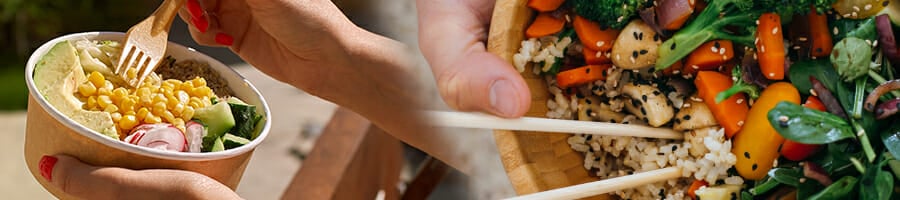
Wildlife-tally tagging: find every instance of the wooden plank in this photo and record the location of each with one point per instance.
(427, 179)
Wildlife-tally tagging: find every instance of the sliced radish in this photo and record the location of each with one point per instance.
(161, 136)
(194, 133)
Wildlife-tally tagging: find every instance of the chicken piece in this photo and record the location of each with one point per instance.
(655, 107)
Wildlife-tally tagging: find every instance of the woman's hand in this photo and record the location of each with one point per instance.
(89, 182)
(452, 36)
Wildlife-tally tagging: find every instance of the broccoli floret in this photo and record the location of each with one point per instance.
(609, 13)
(711, 24)
(786, 9)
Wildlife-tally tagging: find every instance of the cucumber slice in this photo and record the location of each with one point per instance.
(217, 145)
(233, 141)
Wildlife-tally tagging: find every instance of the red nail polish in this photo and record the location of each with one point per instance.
(194, 8)
(201, 23)
(46, 166)
(224, 39)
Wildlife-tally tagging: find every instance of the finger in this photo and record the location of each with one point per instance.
(203, 25)
(84, 181)
(451, 37)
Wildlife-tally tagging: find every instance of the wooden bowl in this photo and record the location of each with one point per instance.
(49, 132)
(534, 161)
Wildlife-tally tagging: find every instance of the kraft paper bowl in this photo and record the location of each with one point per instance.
(49, 132)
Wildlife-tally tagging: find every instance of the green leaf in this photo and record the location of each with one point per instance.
(837, 190)
(876, 183)
(891, 139)
(822, 69)
(808, 126)
(787, 176)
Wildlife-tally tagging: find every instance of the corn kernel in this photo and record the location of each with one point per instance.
(103, 91)
(206, 101)
(87, 89)
(131, 73)
(103, 101)
(108, 85)
(159, 98)
(178, 109)
(199, 81)
(168, 116)
(130, 113)
(127, 104)
(142, 113)
(120, 92)
(128, 122)
(111, 108)
(188, 113)
(91, 102)
(171, 101)
(115, 116)
(187, 85)
(97, 79)
(152, 119)
(159, 108)
(183, 97)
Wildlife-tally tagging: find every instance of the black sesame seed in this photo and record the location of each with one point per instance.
(630, 172)
(635, 102)
(677, 121)
(588, 101)
(657, 93)
(672, 47)
(588, 111)
(733, 196)
(641, 36)
(597, 158)
(596, 87)
(687, 117)
(655, 37)
(662, 192)
(634, 54)
(716, 44)
(579, 95)
(603, 72)
(643, 111)
(612, 121)
(644, 97)
(674, 147)
(753, 167)
(782, 123)
(587, 71)
(589, 137)
(643, 51)
(747, 155)
(624, 122)
(819, 50)
(635, 35)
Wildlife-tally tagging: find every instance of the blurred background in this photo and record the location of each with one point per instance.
(297, 121)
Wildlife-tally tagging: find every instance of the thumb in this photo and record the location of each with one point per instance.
(482, 81)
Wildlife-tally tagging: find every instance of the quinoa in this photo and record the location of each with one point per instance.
(189, 69)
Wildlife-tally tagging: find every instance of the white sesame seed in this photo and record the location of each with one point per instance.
(846, 15)
(739, 101)
(721, 51)
(869, 42)
(733, 78)
(813, 92)
(740, 123)
(813, 57)
(860, 133)
(601, 43)
(854, 14)
(774, 30)
(676, 71)
(686, 105)
(802, 39)
(757, 22)
(762, 49)
(796, 47)
(714, 49)
(756, 41)
(620, 19)
(608, 54)
(875, 43)
(618, 57)
(771, 74)
(856, 8)
(598, 54)
(754, 56)
(568, 19)
(801, 180)
(695, 66)
(867, 7)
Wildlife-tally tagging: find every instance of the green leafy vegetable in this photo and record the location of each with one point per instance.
(787, 176)
(739, 86)
(709, 25)
(610, 13)
(838, 190)
(806, 125)
(876, 183)
(800, 71)
(891, 139)
(852, 58)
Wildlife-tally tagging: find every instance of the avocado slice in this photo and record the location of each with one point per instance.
(57, 76)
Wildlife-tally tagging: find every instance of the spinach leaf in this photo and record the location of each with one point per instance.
(895, 167)
(876, 183)
(891, 139)
(865, 30)
(838, 190)
(806, 189)
(844, 26)
(822, 69)
(787, 176)
(808, 126)
(746, 196)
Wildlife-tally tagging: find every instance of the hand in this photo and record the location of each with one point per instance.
(89, 182)
(452, 36)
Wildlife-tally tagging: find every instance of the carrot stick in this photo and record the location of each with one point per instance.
(581, 75)
(591, 57)
(819, 35)
(729, 113)
(544, 24)
(592, 36)
(675, 69)
(770, 46)
(694, 187)
(710, 55)
(545, 5)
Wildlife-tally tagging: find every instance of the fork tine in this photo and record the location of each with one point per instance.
(124, 58)
(151, 63)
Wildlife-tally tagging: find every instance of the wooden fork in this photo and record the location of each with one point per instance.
(145, 44)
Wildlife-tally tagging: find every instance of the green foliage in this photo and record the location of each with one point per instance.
(609, 13)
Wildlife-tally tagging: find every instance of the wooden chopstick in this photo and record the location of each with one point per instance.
(484, 121)
(605, 186)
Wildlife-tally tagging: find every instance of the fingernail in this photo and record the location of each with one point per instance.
(46, 166)
(200, 23)
(224, 39)
(197, 17)
(503, 98)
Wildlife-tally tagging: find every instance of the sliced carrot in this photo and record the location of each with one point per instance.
(729, 113)
(770, 47)
(544, 24)
(674, 13)
(581, 75)
(697, 184)
(819, 35)
(545, 5)
(591, 57)
(592, 36)
(710, 55)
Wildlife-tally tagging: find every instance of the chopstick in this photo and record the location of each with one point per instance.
(484, 121)
(605, 186)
